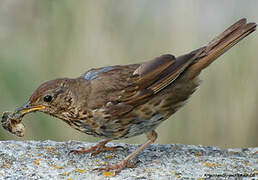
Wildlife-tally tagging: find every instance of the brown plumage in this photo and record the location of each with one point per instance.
(117, 102)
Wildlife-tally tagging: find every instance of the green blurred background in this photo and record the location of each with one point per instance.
(44, 40)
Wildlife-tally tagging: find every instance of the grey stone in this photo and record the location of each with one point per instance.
(52, 160)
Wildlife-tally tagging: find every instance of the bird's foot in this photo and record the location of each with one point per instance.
(100, 147)
(117, 167)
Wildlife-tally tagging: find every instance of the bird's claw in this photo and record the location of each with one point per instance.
(117, 167)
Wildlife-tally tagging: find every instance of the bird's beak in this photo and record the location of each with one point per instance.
(27, 108)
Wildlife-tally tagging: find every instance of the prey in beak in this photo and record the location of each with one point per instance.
(12, 121)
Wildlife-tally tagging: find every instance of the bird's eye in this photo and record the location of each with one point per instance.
(47, 98)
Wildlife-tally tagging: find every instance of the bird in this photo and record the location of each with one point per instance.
(123, 101)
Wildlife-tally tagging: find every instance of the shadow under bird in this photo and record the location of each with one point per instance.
(116, 102)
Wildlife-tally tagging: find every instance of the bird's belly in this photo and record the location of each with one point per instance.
(140, 126)
(115, 130)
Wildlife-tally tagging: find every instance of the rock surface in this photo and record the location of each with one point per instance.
(52, 160)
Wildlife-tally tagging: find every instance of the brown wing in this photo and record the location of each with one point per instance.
(128, 86)
(119, 88)
(153, 76)
(144, 76)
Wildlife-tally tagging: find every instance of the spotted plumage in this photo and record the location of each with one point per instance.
(116, 102)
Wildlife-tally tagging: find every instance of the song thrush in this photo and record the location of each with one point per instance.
(118, 102)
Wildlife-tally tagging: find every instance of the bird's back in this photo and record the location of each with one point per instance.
(129, 100)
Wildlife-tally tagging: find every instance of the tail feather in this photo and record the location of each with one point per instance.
(220, 45)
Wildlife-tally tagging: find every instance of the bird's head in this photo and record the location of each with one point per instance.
(50, 97)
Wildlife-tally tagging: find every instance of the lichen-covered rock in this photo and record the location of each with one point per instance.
(52, 160)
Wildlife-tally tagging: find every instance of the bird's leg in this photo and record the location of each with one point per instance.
(152, 136)
(100, 147)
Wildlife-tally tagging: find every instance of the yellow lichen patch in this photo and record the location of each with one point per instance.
(21, 157)
(55, 152)
(49, 148)
(199, 154)
(109, 157)
(249, 164)
(57, 167)
(36, 162)
(96, 160)
(81, 170)
(109, 174)
(66, 173)
(30, 155)
(102, 164)
(210, 164)
(148, 170)
(6, 166)
(176, 174)
(69, 179)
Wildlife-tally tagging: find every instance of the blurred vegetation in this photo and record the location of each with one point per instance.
(43, 40)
